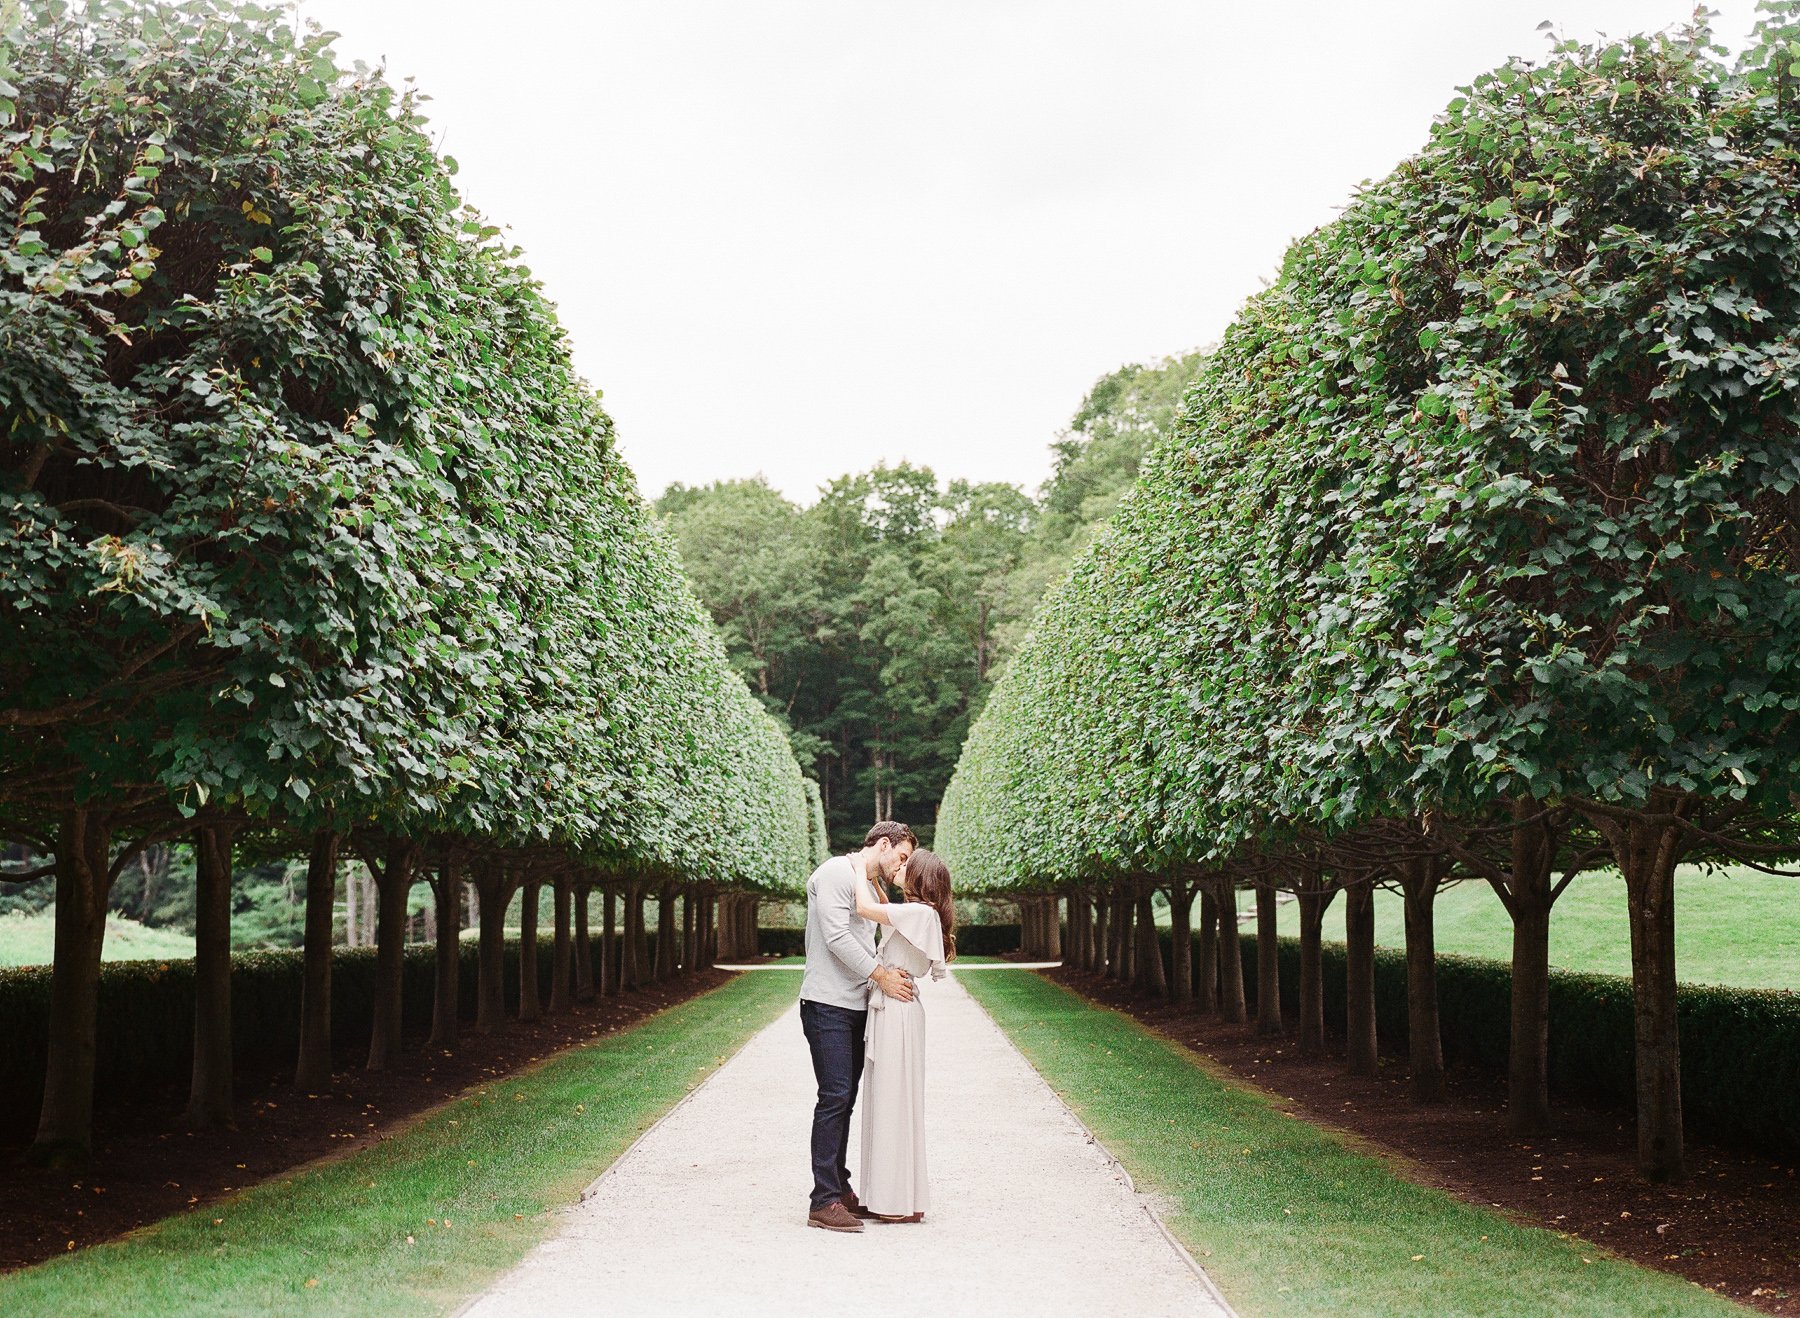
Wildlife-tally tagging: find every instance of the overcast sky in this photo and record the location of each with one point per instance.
(799, 238)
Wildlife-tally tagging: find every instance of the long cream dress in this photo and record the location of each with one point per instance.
(892, 1177)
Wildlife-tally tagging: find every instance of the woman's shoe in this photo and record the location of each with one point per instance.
(910, 1217)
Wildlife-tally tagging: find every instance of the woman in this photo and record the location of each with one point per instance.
(919, 939)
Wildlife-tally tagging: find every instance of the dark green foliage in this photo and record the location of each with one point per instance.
(147, 1017)
(1491, 494)
(867, 622)
(304, 513)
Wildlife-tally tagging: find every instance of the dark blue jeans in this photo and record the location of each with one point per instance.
(835, 1036)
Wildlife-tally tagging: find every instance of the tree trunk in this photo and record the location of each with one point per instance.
(210, 1093)
(1419, 882)
(447, 991)
(631, 969)
(727, 926)
(1103, 934)
(1109, 926)
(83, 883)
(1126, 920)
(530, 1002)
(611, 959)
(1152, 976)
(352, 909)
(690, 933)
(709, 929)
(494, 891)
(584, 944)
(1359, 978)
(666, 930)
(656, 963)
(1206, 969)
(393, 885)
(1053, 935)
(561, 972)
(1231, 959)
(1529, 896)
(1181, 942)
(1313, 900)
(312, 1072)
(1268, 962)
(1647, 852)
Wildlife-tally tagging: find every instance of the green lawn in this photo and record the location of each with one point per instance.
(429, 1217)
(1734, 926)
(1289, 1219)
(28, 940)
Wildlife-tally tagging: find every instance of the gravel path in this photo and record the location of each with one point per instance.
(706, 1214)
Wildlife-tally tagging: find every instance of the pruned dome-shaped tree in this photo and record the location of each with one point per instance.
(307, 525)
(1480, 523)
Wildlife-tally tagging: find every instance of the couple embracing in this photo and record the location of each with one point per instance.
(865, 1026)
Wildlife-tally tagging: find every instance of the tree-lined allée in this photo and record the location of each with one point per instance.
(1474, 556)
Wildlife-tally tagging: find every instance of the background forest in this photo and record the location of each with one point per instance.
(874, 622)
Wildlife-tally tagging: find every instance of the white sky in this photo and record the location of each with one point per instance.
(798, 237)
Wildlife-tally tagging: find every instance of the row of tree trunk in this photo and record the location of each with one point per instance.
(737, 937)
(1111, 931)
(1040, 929)
(85, 868)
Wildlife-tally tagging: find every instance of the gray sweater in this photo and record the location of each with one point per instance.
(840, 944)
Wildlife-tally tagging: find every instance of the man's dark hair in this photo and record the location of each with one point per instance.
(892, 830)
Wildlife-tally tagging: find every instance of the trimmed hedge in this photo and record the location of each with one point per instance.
(971, 940)
(1740, 1048)
(146, 1034)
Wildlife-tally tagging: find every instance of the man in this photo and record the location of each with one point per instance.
(834, 1007)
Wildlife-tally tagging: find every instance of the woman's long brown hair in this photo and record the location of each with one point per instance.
(928, 881)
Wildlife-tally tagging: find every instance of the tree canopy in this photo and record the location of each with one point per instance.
(1490, 494)
(307, 515)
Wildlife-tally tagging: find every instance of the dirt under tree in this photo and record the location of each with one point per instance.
(147, 1166)
(1730, 1226)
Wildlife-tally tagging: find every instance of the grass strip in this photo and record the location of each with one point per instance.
(1289, 1218)
(434, 1214)
(1733, 925)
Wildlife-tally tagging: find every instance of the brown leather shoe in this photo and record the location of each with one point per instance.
(833, 1217)
(910, 1217)
(851, 1202)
